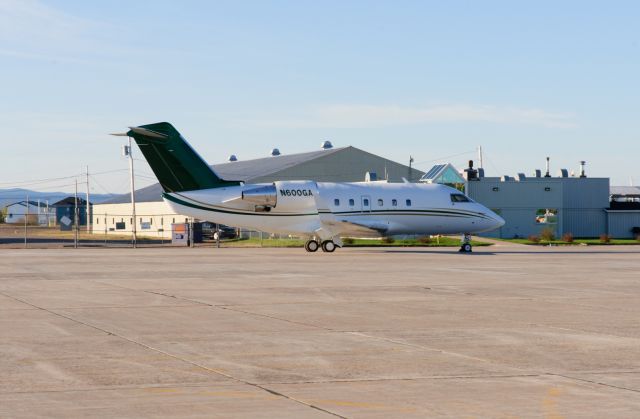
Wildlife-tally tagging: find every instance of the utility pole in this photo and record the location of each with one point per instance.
(88, 206)
(26, 221)
(133, 196)
(75, 217)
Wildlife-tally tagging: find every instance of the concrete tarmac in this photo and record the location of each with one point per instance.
(508, 331)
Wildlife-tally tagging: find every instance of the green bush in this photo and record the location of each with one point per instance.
(424, 239)
(348, 240)
(547, 234)
(388, 240)
(534, 239)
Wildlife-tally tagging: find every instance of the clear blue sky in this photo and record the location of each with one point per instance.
(396, 78)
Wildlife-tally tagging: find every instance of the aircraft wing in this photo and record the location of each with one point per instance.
(334, 225)
(352, 227)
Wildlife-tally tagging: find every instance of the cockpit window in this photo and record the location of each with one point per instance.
(458, 197)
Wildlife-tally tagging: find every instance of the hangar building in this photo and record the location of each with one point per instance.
(343, 164)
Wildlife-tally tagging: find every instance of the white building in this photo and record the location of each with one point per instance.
(35, 212)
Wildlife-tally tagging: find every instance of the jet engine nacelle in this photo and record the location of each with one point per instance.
(286, 195)
(296, 195)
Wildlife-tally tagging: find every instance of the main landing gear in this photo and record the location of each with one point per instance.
(327, 246)
(311, 246)
(465, 243)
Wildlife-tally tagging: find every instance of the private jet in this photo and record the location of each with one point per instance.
(321, 212)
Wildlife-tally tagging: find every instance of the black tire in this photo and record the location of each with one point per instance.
(311, 246)
(328, 246)
(466, 248)
(216, 235)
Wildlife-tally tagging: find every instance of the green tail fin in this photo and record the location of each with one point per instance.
(176, 165)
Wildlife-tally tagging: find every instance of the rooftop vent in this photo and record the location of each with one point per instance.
(326, 145)
(505, 178)
(520, 177)
(538, 173)
(563, 173)
(275, 152)
(548, 174)
(233, 158)
(370, 177)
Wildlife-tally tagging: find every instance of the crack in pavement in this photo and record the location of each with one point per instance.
(204, 367)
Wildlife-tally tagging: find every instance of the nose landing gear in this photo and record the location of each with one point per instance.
(465, 243)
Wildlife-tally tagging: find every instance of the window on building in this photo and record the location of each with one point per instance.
(97, 221)
(151, 221)
(161, 221)
(380, 202)
(547, 216)
(113, 221)
(173, 221)
(394, 202)
(408, 202)
(352, 202)
(458, 197)
(336, 202)
(140, 220)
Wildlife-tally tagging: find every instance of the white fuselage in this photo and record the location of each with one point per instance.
(329, 210)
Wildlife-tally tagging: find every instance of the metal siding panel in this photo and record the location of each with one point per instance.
(585, 222)
(620, 223)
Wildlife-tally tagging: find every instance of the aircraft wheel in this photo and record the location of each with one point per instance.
(466, 248)
(311, 246)
(328, 246)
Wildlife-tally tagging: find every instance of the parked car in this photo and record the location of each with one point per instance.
(211, 231)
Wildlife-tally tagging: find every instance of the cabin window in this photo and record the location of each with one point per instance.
(365, 202)
(380, 202)
(394, 202)
(458, 197)
(408, 202)
(352, 202)
(336, 202)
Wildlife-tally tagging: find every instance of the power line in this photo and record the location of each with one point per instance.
(446, 157)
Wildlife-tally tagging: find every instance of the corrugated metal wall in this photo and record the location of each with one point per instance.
(580, 202)
(621, 222)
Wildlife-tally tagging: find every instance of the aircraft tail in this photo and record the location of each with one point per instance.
(176, 165)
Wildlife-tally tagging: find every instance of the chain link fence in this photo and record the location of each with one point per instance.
(50, 229)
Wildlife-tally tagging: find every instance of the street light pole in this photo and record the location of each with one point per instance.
(133, 195)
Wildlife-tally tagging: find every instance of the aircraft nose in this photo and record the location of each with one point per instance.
(499, 221)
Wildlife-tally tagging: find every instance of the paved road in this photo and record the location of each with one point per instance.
(508, 331)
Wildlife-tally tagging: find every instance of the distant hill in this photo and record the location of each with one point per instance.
(9, 196)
